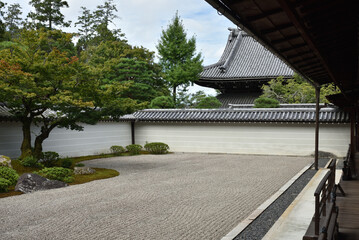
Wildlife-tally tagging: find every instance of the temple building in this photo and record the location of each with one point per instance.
(243, 68)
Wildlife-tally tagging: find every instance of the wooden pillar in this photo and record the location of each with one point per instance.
(133, 140)
(317, 109)
(352, 132)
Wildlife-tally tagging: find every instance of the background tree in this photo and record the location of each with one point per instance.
(162, 102)
(209, 103)
(263, 102)
(2, 25)
(42, 82)
(48, 13)
(13, 20)
(295, 90)
(177, 56)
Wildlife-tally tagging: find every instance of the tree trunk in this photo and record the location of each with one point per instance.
(38, 146)
(26, 141)
(45, 132)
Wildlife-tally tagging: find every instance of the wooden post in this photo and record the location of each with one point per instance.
(352, 132)
(133, 132)
(317, 109)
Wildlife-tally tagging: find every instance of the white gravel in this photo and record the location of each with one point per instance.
(174, 196)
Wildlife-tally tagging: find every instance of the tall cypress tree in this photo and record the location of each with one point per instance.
(47, 13)
(178, 59)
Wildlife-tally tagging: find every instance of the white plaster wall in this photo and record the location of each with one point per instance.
(95, 139)
(246, 138)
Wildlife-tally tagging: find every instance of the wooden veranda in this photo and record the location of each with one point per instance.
(319, 39)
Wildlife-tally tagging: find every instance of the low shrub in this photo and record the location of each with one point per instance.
(49, 159)
(134, 149)
(57, 173)
(4, 184)
(66, 163)
(117, 150)
(79, 165)
(9, 174)
(31, 161)
(157, 147)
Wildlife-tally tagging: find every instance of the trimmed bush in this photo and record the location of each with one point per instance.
(30, 161)
(49, 159)
(66, 163)
(79, 165)
(157, 148)
(9, 174)
(263, 102)
(57, 173)
(117, 150)
(134, 149)
(4, 184)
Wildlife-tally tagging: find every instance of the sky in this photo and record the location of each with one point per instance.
(142, 22)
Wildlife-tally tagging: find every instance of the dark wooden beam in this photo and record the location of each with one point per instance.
(305, 60)
(298, 54)
(264, 15)
(293, 47)
(286, 38)
(296, 20)
(277, 28)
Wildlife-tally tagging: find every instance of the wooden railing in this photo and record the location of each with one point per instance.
(347, 169)
(324, 224)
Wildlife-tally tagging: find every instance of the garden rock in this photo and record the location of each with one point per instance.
(83, 170)
(30, 182)
(5, 161)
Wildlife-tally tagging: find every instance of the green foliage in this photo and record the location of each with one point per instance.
(12, 20)
(157, 147)
(295, 90)
(134, 149)
(263, 102)
(54, 80)
(79, 165)
(9, 174)
(162, 102)
(57, 173)
(177, 56)
(4, 184)
(31, 161)
(47, 13)
(49, 159)
(66, 163)
(117, 150)
(209, 102)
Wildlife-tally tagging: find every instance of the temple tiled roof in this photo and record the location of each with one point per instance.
(244, 58)
(327, 115)
(235, 98)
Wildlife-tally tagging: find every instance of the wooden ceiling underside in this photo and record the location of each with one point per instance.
(317, 38)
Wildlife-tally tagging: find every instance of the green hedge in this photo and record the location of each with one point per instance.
(117, 150)
(157, 148)
(57, 173)
(134, 149)
(9, 174)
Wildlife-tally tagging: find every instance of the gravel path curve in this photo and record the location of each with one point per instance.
(175, 196)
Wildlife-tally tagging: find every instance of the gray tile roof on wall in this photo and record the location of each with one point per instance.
(245, 58)
(327, 115)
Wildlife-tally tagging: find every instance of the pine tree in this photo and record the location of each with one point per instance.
(13, 20)
(47, 13)
(178, 59)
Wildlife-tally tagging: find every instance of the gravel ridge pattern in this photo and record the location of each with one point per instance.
(261, 225)
(174, 196)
